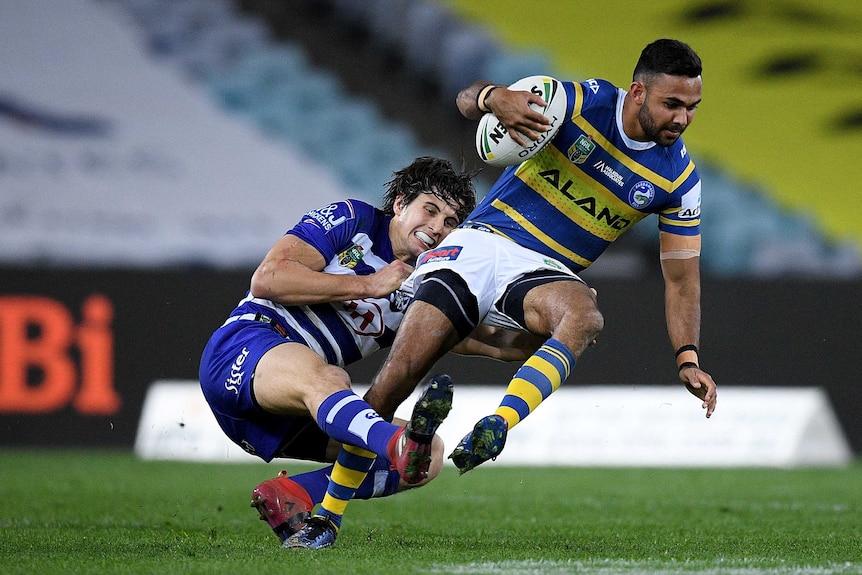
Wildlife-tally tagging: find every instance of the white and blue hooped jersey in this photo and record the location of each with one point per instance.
(353, 237)
(591, 184)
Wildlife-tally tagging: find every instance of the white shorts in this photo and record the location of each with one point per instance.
(488, 263)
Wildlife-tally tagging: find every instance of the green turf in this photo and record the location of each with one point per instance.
(106, 512)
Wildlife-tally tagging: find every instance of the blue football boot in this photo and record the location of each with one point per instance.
(317, 533)
(485, 442)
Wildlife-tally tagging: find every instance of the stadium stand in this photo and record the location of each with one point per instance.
(291, 68)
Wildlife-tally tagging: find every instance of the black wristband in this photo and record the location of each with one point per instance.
(686, 364)
(482, 96)
(689, 347)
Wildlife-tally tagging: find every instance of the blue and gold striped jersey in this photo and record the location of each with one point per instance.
(591, 184)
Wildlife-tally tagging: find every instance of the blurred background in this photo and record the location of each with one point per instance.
(151, 151)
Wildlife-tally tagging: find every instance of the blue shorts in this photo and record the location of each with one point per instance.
(227, 376)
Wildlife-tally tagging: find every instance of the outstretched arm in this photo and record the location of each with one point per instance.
(681, 272)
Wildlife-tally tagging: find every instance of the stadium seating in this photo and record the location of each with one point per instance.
(273, 84)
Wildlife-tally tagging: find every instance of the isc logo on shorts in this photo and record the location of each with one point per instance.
(440, 254)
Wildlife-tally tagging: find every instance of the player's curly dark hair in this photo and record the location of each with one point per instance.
(428, 175)
(667, 56)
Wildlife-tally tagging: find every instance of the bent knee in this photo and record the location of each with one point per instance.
(336, 378)
(580, 325)
(593, 321)
(588, 315)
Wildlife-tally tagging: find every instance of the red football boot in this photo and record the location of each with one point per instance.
(282, 503)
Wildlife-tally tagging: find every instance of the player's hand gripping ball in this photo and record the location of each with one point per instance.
(493, 142)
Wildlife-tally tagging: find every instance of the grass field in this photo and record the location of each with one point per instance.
(66, 512)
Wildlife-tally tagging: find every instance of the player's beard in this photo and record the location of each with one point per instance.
(653, 131)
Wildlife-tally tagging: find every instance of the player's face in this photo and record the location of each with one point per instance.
(420, 225)
(669, 107)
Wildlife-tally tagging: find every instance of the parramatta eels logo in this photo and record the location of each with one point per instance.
(581, 149)
(641, 194)
(350, 257)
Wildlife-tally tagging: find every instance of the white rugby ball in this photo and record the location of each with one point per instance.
(493, 142)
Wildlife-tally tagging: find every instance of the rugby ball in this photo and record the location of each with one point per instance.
(493, 142)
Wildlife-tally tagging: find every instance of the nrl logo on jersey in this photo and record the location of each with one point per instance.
(581, 149)
(350, 257)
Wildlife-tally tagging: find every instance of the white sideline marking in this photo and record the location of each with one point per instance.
(623, 567)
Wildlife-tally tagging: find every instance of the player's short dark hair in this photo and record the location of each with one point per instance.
(428, 175)
(670, 57)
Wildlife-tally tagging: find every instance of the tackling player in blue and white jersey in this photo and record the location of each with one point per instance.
(616, 158)
(322, 298)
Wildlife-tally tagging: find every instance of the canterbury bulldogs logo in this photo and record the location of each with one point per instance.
(447, 253)
(399, 300)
